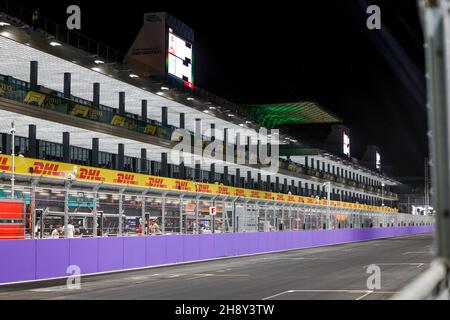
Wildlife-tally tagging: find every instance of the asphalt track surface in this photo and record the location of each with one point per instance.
(336, 272)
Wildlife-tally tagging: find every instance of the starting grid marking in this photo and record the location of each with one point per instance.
(290, 258)
(417, 252)
(143, 279)
(416, 264)
(362, 293)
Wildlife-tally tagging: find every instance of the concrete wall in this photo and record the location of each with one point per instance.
(48, 258)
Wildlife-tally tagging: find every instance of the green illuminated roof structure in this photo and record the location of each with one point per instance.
(273, 116)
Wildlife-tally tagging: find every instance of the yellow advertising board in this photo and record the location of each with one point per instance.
(58, 170)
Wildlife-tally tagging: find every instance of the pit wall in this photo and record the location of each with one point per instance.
(22, 260)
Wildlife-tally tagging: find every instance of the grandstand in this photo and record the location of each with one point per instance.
(112, 121)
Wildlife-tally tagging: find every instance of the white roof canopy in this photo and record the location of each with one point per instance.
(15, 60)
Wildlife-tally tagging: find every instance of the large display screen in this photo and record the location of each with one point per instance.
(346, 149)
(180, 59)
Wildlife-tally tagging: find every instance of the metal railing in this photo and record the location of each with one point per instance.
(432, 284)
(60, 32)
(435, 15)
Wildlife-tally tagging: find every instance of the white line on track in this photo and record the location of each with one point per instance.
(416, 252)
(416, 264)
(364, 293)
(278, 294)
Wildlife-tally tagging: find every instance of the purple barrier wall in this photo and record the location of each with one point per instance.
(22, 260)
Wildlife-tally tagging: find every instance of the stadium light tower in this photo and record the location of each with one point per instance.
(382, 194)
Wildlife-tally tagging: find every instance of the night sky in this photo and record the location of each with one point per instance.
(281, 52)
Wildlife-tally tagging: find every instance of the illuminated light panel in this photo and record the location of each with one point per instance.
(346, 145)
(378, 161)
(179, 59)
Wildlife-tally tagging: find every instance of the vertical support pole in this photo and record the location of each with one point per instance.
(181, 202)
(96, 95)
(239, 153)
(197, 172)
(275, 218)
(329, 205)
(120, 157)
(265, 218)
(13, 165)
(182, 121)
(120, 212)
(121, 102)
(182, 169)
(66, 211)
(152, 168)
(212, 172)
(233, 215)
(143, 163)
(94, 152)
(214, 215)
(238, 178)
(198, 137)
(290, 217)
(164, 116)
(67, 85)
(225, 175)
(94, 213)
(143, 213)
(164, 165)
(33, 75)
(32, 143)
(144, 114)
(248, 142)
(257, 211)
(225, 222)
(33, 208)
(228, 148)
(66, 147)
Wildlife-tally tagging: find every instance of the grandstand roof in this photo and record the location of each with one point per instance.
(303, 112)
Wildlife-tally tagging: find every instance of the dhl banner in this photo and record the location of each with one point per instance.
(58, 170)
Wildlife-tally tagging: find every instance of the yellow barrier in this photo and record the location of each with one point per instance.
(60, 170)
